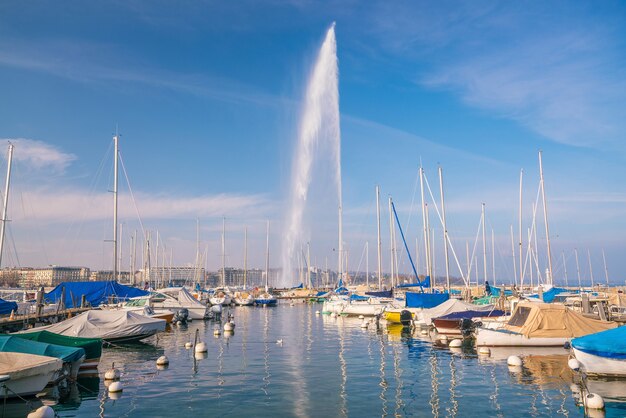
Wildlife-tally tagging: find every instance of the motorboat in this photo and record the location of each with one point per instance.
(603, 353)
(462, 323)
(24, 374)
(536, 324)
(113, 326)
(92, 346)
(177, 298)
(72, 357)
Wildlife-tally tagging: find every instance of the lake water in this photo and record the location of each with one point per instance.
(326, 367)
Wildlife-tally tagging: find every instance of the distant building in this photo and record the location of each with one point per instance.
(48, 276)
(170, 276)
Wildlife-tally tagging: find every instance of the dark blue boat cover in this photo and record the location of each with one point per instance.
(610, 343)
(358, 297)
(425, 300)
(472, 314)
(382, 294)
(20, 345)
(6, 307)
(95, 292)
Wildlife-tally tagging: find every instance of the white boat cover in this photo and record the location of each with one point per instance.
(20, 365)
(108, 325)
(448, 307)
(186, 299)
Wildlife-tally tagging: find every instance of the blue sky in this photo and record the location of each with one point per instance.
(207, 95)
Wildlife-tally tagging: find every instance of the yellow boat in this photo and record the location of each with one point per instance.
(393, 315)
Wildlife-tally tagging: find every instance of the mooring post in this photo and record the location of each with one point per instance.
(39, 299)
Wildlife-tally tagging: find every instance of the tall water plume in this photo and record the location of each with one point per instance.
(318, 129)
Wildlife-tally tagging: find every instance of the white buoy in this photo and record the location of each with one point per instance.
(179, 323)
(217, 332)
(43, 411)
(317, 312)
(456, 343)
(188, 345)
(514, 361)
(364, 324)
(112, 373)
(163, 361)
(116, 387)
(573, 364)
(229, 326)
(361, 317)
(484, 351)
(594, 401)
(200, 356)
(201, 348)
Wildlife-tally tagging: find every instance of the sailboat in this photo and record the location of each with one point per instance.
(221, 295)
(266, 298)
(243, 297)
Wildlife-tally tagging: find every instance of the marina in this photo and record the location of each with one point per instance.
(328, 366)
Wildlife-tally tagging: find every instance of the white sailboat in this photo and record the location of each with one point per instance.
(243, 297)
(266, 298)
(221, 295)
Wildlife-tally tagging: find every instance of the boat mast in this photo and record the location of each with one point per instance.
(493, 257)
(564, 268)
(367, 265)
(426, 232)
(116, 138)
(521, 249)
(545, 218)
(6, 201)
(484, 242)
(606, 271)
(513, 253)
(590, 268)
(245, 257)
(580, 286)
(223, 251)
(340, 259)
(391, 257)
(308, 264)
(445, 229)
(380, 275)
(267, 257)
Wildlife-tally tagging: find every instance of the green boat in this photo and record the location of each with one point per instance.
(92, 346)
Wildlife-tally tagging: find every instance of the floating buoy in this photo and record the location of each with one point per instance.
(364, 324)
(188, 345)
(443, 339)
(217, 332)
(317, 312)
(594, 401)
(163, 361)
(200, 356)
(573, 364)
(201, 348)
(112, 373)
(361, 317)
(292, 304)
(228, 334)
(229, 326)
(484, 351)
(514, 361)
(179, 323)
(43, 411)
(456, 343)
(116, 387)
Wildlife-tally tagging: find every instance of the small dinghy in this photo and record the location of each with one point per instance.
(26, 374)
(72, 357)
(112, 326)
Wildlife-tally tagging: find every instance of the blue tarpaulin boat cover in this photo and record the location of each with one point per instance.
(382, 294)
(549, 295)
(95, 292)
(425, 300)
(609, 344)
(358, 297)
(20, 345)
(6, 307)
(472, 314)
(496, 291)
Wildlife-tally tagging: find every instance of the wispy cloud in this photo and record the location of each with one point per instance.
(556, 71)
(40, 155)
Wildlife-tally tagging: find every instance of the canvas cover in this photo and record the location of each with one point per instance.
(92, 346)
(107, 325)
(6, 307)
(425, 300)
(21, 365)
(95, 293)
(14, 344)
(618, 299)
(545, 320)
(610, 343)
(448, 307)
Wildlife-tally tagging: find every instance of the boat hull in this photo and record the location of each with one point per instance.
(266, 302)
(600, 366)
(500, 338)
(29, 373)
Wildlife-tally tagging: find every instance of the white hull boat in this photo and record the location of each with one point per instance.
(177, 298)
(600, 366)
(28, 373)
(363, 308)
(603, 353)
(244, 299)
(502, 338)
